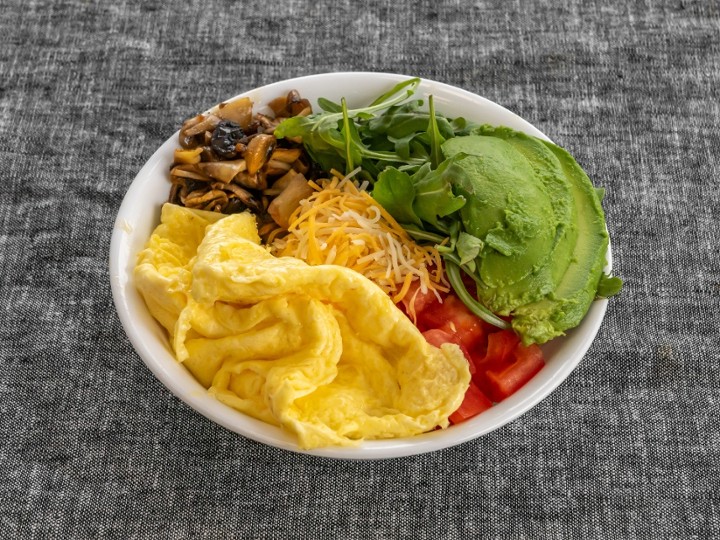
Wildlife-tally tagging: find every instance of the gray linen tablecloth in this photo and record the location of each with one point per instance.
(93, 446)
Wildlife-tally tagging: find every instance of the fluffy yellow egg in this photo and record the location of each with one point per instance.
(320, 351)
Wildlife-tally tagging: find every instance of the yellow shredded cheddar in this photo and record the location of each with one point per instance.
(340, 223)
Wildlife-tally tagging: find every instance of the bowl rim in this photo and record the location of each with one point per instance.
(214, 410)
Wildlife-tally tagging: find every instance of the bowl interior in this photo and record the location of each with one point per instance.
(140, 213)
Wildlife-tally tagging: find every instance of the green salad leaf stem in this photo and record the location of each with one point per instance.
(453, 273)
(436, 155)
(349, 162)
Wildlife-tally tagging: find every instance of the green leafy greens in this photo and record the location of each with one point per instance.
(335, 142)
(609, 286)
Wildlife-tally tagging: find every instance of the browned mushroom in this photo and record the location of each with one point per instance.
(185, 187)
(236, 190)
(206, 123)
(296, 106)
(239, 111)
(268, 124)
(200, 198)
(189, 171)
(258, 151)
(293, 100)
(301, 108)
(244, 196)
(278, 105)
(174, 196)
(223, 170)
(252, 181)
(265, 228)
(216, 172)
(289, 199)
(276, 168)
(187, 156)
(281, 160)
(280, 184)
(193, 130)
(287, 155)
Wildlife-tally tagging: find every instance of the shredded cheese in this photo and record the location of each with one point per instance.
(340, 223)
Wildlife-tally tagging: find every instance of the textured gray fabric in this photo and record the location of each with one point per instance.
(93, 446)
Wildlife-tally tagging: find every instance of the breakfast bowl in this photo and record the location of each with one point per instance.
(139, 214)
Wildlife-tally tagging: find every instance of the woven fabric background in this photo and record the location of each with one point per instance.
(93, 446)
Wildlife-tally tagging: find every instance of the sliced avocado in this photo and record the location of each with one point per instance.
(548, 169)
(507, 208)
(566, 306)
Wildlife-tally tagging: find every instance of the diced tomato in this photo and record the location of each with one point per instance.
(498, 362)
(473, 404)
(455, 318)
(438, 315)
(499, 346)
(438, 337)
(525, 362)
(420, 301)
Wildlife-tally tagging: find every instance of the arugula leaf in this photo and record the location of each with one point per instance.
(434, 197)
(348, 136)
(609, 286)
(420, 234)
(397, 120)
(296, 126)
(436, 139)
(390, 131)
(324, 147)
(394, 191)
(327, 148)
(329, 106)
(407, 128)
(460, 126)
(390, 98)
(392, 94)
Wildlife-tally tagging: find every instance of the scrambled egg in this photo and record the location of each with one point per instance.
(319, 350)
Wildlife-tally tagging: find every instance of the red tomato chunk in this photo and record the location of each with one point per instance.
(455, 318)
(473, 404)
(418, 300)
(500, 345)
(499, 364)
(524, 364)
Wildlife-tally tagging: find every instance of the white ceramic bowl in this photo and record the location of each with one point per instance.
(139, 214)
